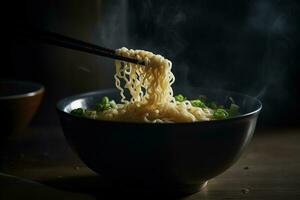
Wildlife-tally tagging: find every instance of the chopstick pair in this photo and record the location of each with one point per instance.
(75, 44)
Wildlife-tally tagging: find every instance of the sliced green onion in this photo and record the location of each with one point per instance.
(77, 112)
(89, 113)
(113, 104)
(233, 110)
(105, 100)
(105, 104)
(198, 103)
(180, 98)
(213, 105)
(220, 114)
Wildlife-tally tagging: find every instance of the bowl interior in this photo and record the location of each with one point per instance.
(12, 88)
(248, 105)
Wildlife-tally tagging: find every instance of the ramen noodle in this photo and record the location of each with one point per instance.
(146, 92)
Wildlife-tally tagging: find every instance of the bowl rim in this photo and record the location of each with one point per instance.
(62, 104)
(40, 89)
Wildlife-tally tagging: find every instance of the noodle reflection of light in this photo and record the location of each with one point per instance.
(151, 92)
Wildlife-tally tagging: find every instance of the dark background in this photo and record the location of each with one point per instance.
(245, 46)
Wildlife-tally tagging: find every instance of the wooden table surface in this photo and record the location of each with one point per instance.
(269, 169)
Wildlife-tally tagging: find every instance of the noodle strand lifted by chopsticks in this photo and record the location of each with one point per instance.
(151, 93)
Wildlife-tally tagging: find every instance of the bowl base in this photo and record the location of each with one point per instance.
(193, 188)
(169, 190)
(103, 188)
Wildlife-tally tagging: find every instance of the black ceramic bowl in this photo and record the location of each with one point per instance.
(178, 157)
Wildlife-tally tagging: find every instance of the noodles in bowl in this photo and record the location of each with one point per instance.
(150, 92)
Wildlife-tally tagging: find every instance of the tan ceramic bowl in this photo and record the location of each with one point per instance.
(19, 101)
